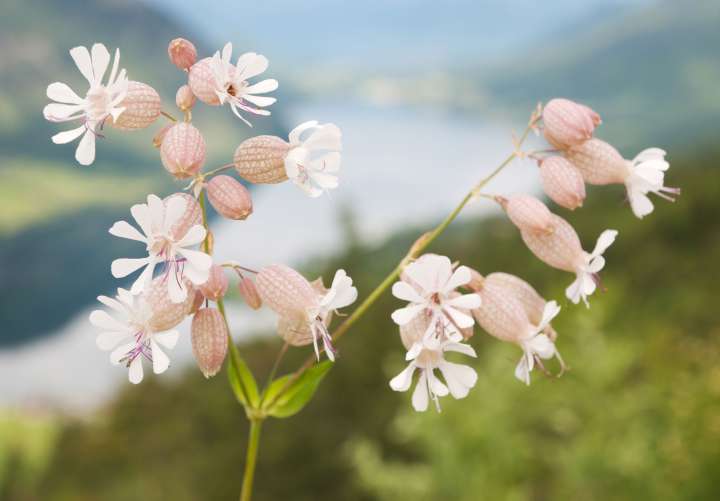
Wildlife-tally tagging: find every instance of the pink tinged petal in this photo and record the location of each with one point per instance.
(461, 276)
(522, 371)
(61, 112)
(174, 210)
(81, 56)
(135, 373)
(62, 93)
(404, 315)
(196, 259)
(102, 320)
(250, 65)
(85, 152)
(465, 349)
(123, 267)
(402, 381)
(120, 352)
(68, 135)
(194, 236)
(123, 229)
(459, 378)
(160, 360)
(420, 396)
(106, 341)
(167, 339)
(604, 241)
(100, 61)
(465, 302)
(295, 134)
(262, 87)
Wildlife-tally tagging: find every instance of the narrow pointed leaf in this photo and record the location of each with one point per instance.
(241, 379)
(296, 394)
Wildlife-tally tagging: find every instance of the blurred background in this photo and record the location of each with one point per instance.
(427, 95)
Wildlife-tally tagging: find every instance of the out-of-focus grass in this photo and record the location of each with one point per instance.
(35, 191)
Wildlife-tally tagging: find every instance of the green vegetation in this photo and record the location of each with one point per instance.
(637, 417)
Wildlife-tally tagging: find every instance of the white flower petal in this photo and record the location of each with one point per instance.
(522, 372)
(196, 276)
(62, 93)
(261, 101)
(81, 56)
(85, 152)
(144, 278)
(160, 360)
(420, 395)
(174, 210)
(404, 315)
(106, 341)
(124, 266)
(123, 229)
(461, 276)
(250, 64)
(68, 135)
(100, 61)
(194, 236)
(167, 339)
(459, 378)
(101, 319)
(406, 292)
(196, 259)
(465, 349)
(267, 85)
(604, 241)
(176, 289)
(295, 134)
(325, 137)
(60, 112)
(465, 302)
(120, 352)
(640, 203)
(135, 373)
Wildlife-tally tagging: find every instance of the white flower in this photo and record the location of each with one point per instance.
(429, 285)
(341, 294)
(537, 345)
(314, 157)
(130, 337)
(156, 220)
(587, 273)
(231, 82)
(428, 357)
(100, 102)
(647, 173)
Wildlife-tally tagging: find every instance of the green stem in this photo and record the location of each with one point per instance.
(251, 459)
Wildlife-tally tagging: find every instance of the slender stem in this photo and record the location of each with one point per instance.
(415, 250)
(276, 365)
(219, 169)
(251, 459)
(168, 116)
(201, 197)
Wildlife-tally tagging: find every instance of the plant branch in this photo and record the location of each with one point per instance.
(251, 459)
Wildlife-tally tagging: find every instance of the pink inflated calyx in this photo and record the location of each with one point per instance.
(183, 151)
(184, 98)
(249, 293)
(216, 285)
(202, 82)
(209, 340)
(142, 107)
(527, 213)
(229, 197)
(567, 123)
(261, 159)
(598, 162)
(182, 53)
(562, 182)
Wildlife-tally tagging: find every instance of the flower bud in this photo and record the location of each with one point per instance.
(142, 107)
(160, 135)
(202, 82)
(184, 98)
(198, 300)
(562, 182)
(527, 213)
(560, 249)
(249, 293)
(182, 53)
(501, 315)
(191, 216)
(599, 162)
(567, 123)
(261, 159)
(209, 340)
(285, 291)
(216, 285)
(229, 197)
(183, 151)
(165, 313)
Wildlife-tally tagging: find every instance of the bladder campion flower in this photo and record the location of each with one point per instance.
(314, 157)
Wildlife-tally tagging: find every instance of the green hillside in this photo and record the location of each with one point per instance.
(635, 418)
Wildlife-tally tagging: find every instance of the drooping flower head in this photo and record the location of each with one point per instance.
(428, 357)
(429, 284)
(567, 123)
(314, 157)
(132, 333)
(304, 310)
(504, 315)
(158, 224)
(102, 100)
(216, 81)
(562, 182)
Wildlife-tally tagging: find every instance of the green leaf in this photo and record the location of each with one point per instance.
(296, 394)
(241, 379)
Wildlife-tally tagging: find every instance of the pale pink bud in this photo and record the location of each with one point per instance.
(183, 151)
(229, 197)
(567, 123)
(501, 315)
(209, 340)
(182, 53)
(527, 213)
(160, 135)
(599, 162)
(562, 182)
(531, 301)
(216, 285)
(198, 300)
(184, 98)
(560, 249)
(249, 293)
(285, 291)
(261, 159)
(202, 82)
(191, 216)
(165, 313)
(142, 107)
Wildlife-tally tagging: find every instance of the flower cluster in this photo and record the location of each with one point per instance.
(177, 277)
